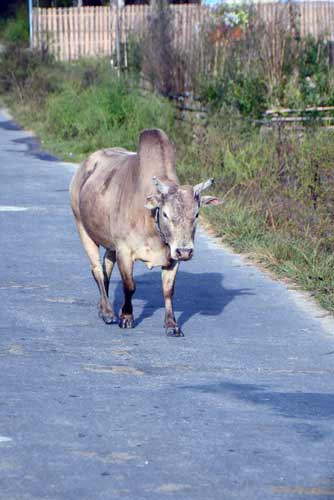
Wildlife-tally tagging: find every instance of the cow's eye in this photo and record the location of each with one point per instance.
(165, 215)
(196, 215)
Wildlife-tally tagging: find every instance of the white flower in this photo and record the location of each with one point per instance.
(231, 19)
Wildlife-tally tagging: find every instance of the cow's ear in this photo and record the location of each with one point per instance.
(210, 200)
(153, 201)
(201, 186)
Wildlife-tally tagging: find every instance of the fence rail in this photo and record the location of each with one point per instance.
(71, 33)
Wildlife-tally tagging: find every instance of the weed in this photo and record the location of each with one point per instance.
(77, 108)
(278, 187)
(113, 108)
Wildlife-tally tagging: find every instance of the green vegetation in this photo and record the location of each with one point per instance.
(278, 183)
(278, 187)
(16, 27)
(259, 66)
(78, 108)
(110, 111)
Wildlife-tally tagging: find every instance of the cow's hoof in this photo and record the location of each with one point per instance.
(174, 331)
(108, 318)
(125, 323)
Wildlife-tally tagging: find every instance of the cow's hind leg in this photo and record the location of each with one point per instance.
(92, 250)
(125, 264)
(109, 260)
(168, 280)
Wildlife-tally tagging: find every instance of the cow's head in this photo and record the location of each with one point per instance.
(176, 210)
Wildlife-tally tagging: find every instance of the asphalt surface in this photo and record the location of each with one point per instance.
(241, 408)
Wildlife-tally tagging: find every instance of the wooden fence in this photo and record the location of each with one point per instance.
(71, 33)
(314, 18)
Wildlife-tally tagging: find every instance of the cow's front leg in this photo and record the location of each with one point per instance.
(168, 280)
(125, 264)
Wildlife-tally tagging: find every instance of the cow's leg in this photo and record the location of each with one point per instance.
(125, 264)
(92, 250)
(168, 280)
(109, 260)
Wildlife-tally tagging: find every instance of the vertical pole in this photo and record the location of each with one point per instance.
(118, 42)
(30, 24)
(124, 31)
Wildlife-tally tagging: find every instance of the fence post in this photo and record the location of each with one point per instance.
(118, 45)
(30, 24)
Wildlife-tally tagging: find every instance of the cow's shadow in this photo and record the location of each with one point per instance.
(195, 293)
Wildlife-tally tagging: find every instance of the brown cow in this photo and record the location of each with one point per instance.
(133, 206)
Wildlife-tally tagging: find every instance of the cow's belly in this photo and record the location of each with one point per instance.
(100, 235)
(95, 217)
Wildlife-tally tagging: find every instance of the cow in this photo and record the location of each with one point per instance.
(133, 205)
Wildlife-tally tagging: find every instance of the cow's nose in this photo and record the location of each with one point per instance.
(184, 253)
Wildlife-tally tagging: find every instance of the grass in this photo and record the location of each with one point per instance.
(85, 109)
(288, 256)
(104, 115)
(278, 188)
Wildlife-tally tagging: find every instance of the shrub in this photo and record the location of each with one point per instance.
(16, 29)
(244, 93)
(29, 74)
(108, 113)
(266, 65)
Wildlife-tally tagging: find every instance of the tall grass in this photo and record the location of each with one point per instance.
(111, 113)
(278, 187)
(81, 107)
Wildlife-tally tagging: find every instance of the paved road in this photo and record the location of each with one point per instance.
(241, 408)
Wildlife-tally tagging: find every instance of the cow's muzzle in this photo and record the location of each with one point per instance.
(184, 253)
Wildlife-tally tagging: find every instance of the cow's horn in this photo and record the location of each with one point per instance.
(203, 185)
(161, 187)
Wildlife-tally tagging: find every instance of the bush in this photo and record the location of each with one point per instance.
(262, 66)
(287, 178)
(79, 107)
(16, 29)
(244, 93)
(28, 74)
(111, 113)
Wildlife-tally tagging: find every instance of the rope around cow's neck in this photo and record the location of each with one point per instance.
(157, 225)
